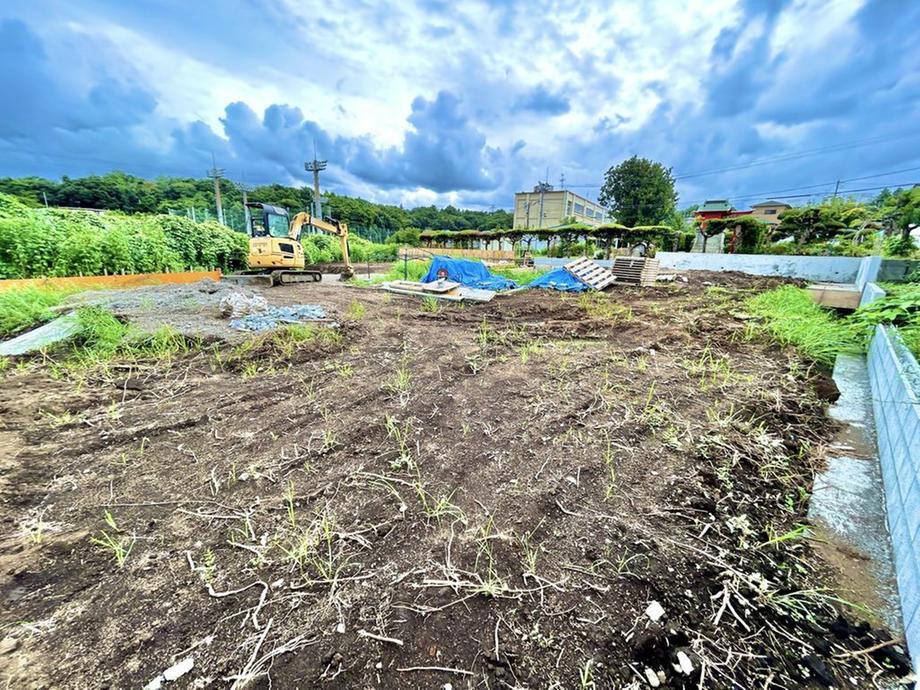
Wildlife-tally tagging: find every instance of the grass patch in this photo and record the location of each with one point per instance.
(103, 337)
(522, 276)
(23, 308)
(597, 305)
(791, 317)
(415, 270)
(355, 310)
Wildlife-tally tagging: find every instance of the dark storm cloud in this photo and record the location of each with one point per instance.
(442, 151)
(75, 104)
(37, 100)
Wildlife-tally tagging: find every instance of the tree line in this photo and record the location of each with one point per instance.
(118, 191)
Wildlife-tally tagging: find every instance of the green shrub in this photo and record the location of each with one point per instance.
(899, 246)
(361, 249)
(406, 236)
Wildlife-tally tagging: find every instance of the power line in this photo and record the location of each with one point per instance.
(774, 195)
(842, 146)
(794, 156)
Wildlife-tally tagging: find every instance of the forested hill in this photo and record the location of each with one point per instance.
(118, 191)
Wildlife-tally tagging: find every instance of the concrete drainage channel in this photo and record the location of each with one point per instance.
(847, 507)
(866, 503)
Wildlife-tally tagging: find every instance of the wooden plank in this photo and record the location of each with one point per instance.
(590, 272)
(115, 281)
(838, 296)
(637, 270)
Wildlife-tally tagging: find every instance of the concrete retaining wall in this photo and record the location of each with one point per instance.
(895, 379)
(870, 293)
(868, 270)
(829, 269)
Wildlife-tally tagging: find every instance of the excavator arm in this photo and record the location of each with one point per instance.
(331, 227)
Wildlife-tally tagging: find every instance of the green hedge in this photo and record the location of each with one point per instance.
(57, 242)
(324, 249)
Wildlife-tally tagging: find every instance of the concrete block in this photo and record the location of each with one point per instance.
(900, 542)
(911, 505)
(831, 269)
(908, 577)
(892, 495)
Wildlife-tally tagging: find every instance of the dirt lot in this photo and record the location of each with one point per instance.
(477, 496)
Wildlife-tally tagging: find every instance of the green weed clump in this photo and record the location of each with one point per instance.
(791, 317)
(23, 308)
(102, 337)
(900, 307)
(415, 270)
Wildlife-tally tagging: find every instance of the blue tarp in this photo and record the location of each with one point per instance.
(469, 273)
(559, 279)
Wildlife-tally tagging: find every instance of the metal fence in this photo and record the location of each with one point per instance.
(235, 218)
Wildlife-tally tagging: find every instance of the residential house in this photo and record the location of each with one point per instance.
(768, 211)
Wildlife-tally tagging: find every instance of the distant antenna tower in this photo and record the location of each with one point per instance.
(314, 167)
(562, 180)
(217, 173)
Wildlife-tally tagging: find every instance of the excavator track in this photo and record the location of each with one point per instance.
(288, 277)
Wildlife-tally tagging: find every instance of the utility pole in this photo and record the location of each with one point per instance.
(836, 187)
(217, 173)
(542, 188)
(45, 197)
(244, 190)
(314, 167)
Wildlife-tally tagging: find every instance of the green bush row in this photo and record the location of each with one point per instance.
(58, 242)
(324, 249)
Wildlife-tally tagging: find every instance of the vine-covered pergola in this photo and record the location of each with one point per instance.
(604, 236)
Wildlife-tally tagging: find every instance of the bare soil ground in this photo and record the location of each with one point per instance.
(479, 496)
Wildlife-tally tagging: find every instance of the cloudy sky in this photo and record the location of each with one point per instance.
(433, 101)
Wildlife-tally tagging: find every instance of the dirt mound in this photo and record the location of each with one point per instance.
(542, 491)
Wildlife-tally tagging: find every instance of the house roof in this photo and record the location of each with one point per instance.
(771, 202)
(716, 205)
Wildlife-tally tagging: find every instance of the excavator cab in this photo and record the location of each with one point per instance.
(268, 221)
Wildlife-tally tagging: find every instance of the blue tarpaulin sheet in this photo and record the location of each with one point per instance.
(558, 279)
(469, 273)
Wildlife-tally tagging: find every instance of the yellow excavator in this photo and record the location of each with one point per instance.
(275, 250)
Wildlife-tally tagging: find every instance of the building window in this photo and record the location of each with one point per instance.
(579, 209)
(568, 208)
(769, 211)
